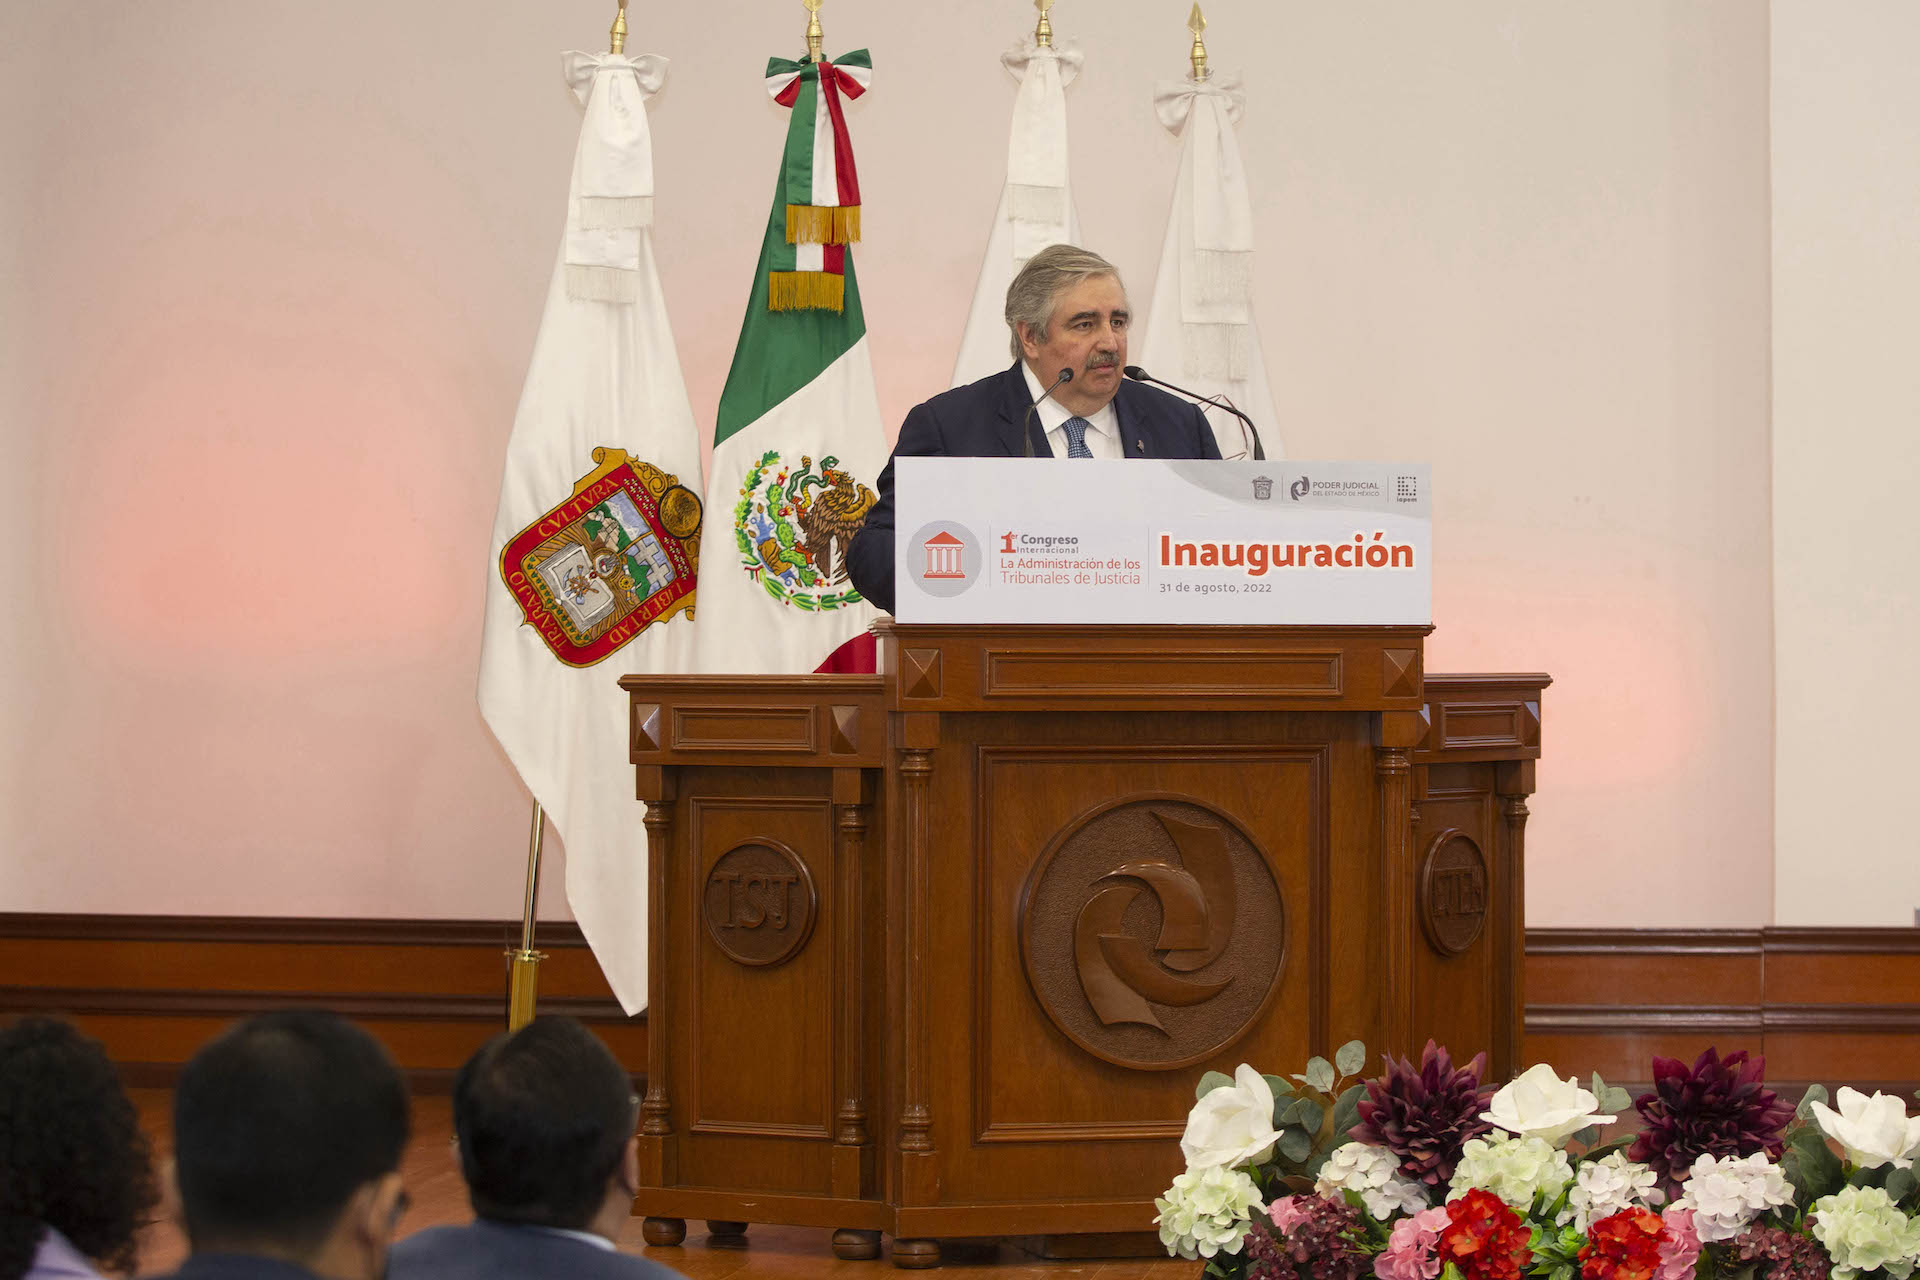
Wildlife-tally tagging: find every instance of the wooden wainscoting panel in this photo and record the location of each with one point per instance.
(1837, 1006)
(155, 988)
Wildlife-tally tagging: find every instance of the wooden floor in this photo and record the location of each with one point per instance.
(440, 1199)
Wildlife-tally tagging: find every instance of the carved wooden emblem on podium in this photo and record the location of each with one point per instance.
(1453, 892)
(1153, 932)
(759, 903)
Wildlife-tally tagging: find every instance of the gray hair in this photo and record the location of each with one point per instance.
(1048, 274)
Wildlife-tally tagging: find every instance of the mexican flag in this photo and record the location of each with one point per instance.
(797, 442)
(593, 559)
(1036, 204)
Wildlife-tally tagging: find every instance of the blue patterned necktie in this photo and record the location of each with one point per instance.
(1076, 429)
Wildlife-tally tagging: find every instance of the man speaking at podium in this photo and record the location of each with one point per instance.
(1067, 316)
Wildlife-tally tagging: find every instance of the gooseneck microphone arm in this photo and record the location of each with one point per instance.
(1138, 374)
(1066, 375)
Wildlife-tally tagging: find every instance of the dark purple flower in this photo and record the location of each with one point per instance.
(1779, 1254)
(1425, 1116)
(1322, 1241)
(1718, 1108)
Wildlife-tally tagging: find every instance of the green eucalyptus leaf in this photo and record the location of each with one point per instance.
(1290, 1113)
(1618, 1101)
(1811, 1167)
(1901, 1183)
(1346, 1112)
(1815, 1093)
(1588, 1136)
(1280, 1085)
(1311, 1115)
(1350, 1057)
(1296, 1144)
(1450, 1272)
(1319, 1075)
(1209, 1082)
(1606, 1149)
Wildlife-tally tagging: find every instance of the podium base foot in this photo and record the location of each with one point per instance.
(856, 1246)
(723, 1234)
(916, 1255)
(663, 1231)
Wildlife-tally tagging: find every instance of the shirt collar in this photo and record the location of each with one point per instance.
(1052, 413)
(584, 1237)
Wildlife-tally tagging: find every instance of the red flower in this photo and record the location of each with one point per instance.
(1625, 1246)
(1485, 1238)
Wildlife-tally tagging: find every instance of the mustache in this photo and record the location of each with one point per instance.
(1105, 360)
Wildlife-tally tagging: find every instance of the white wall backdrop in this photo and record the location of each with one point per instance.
(1846, 449)
(273, 273)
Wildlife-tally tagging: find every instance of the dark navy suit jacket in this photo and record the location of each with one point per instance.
(498, 1251)
(982, 420)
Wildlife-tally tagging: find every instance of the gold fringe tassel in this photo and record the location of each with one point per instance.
(806, 291)
(823, 224)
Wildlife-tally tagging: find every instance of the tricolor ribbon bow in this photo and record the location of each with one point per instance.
(818, 181)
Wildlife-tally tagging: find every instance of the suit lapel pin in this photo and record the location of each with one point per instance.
(1140, 446)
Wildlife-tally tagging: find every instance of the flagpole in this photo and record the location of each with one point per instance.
(816, 38)
(1043, 29)
(1197, 23)
(524, 984)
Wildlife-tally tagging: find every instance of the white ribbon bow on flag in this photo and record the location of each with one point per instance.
(1037, 145)
(612, 195)
(1218, 240)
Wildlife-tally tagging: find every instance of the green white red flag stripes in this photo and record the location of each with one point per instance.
(820, 185)
(584, 583)
(797, 441)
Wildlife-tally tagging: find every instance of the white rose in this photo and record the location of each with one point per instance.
(1874, 1131)
(1539, 1104)
(1729, 1192)
(1373, 1172)
(1233, 1125)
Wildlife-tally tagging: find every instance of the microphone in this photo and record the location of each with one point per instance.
(1066, 375)
(1138, 374)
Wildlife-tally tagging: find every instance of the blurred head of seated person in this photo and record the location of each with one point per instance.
(76, 1184)
(544, 1119)
(1066, 309)
(287, 1135)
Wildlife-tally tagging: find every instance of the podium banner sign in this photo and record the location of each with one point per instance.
(1038, 540)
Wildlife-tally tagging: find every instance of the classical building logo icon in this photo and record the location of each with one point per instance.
(1153, 932)
(943, 556)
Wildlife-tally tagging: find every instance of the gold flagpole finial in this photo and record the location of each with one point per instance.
(816, 38)
(1196, 23)
(1043, 30)
(619, 30)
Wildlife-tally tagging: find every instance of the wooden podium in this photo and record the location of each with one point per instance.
(942, 952)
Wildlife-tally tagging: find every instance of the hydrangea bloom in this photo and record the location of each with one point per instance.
(1726, 1193)
(1410, 1252)
(1515, 1169)
(1680, 1252)
(1608, 1186)
(1206, 1211)
(1312, 1238)
(1373, 1172)
(1863, 1230)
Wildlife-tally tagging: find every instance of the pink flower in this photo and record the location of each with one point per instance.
(1409, 1253)
(1681, 1248)
(1286, 1213)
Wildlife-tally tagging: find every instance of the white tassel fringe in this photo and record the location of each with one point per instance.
(612, 213)
(602, 284)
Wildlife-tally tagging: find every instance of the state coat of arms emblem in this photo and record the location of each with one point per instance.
(793, 526)
(618, 556)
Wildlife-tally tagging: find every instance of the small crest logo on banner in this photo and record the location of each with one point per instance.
(793, 526)
(609, 562)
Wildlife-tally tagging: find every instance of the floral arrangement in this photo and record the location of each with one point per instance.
(1426, 1172)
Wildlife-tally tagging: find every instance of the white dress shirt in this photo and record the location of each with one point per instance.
(1103, 426)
